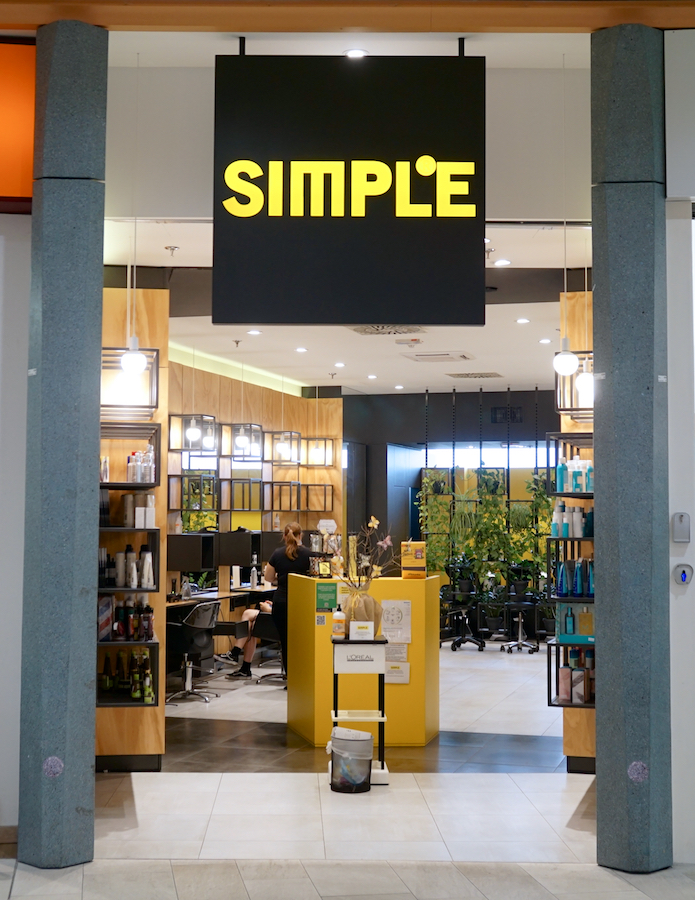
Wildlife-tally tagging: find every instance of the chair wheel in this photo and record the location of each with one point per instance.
(502, 649)
(453, 648)
(481, 647)
(509, 650)
(519, 649)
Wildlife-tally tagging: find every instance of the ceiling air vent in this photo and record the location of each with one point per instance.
(438, 356)
(387, 329)
(474, 375)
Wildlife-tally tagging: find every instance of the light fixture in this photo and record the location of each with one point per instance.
(584, 384)
(399, 387)
(283, 447)
(503, 262)
(193, 433)
(522, 321)
(242, 439)
(128, 393)
(301, 349)
(544, 341)
(133, 361)
(486, 240)
(565, 362)
(254, 331)
(339, 365)
(316, 451)
(355, 53)
(209, 438)
(371, 376)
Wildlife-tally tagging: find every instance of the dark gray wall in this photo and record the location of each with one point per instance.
(392, 471)
(400, 418)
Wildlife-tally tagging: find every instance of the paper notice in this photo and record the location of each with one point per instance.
(396, 653)
(397, 673)
(396, 621)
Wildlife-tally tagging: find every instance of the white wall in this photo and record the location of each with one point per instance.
(15, 249)
(175, 143)
(679, 48)
(681, 438)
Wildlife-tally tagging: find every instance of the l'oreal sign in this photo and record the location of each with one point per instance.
(370, 661)
(349, 191)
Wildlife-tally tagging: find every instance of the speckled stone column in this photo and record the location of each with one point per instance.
(633, 729)
(56, 811)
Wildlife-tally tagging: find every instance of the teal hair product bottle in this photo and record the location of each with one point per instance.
(561, 477)
(562, 585)
(590, 579)
(569, 628)
(590, 478)
(578, 580)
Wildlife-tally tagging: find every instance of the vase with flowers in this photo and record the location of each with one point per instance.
(369, 555)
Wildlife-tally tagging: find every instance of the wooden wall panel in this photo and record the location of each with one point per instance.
(140, 731)
(175, 388)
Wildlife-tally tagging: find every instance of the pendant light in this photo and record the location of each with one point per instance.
(133, 361)
(193, 432)
(565, 362)
(242, 439)
(316, 454)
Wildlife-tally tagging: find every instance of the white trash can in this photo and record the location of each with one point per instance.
(351, 760)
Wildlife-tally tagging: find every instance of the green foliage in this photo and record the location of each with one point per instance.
(445, 518)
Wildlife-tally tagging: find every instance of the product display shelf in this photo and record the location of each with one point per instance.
(553, 656)
(128, 485)
(106, 589)
(116, 697)
(578, 495)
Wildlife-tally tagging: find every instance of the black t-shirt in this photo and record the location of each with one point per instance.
(283, 566)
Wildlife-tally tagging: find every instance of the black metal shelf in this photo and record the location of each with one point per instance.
(122, 702)
(128, 485)
(578, 495)
(566, 704)
(554, 599)
(126, 590)
(576, 540)
(154, 643)
(123, 528)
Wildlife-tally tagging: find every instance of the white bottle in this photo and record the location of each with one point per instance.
(254, 578)
(577, 530)
(338, 630)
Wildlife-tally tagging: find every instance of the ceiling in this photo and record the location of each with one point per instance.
(502, 346)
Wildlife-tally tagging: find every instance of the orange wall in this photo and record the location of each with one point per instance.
(17, 89)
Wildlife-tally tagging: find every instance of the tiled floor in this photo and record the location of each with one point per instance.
(314, 879)
(519, 817)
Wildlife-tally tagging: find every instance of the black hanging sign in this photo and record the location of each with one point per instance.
(349, 191)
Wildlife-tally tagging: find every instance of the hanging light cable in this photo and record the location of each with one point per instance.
(133, 361)
(242, 439)
(283, 447)
(193, 432)
(585, 380)
(565, 362)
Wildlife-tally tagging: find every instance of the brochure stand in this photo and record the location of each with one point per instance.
(362, 657)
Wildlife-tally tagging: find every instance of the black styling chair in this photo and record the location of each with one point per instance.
(193, 636)
(265, 629)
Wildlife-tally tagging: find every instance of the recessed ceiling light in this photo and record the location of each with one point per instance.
(355, 53)
(522, 321)
(301, 349)
(544, 341)
(399, 387)
(503, 262)
(254, 331)
(371, 376)
(339, 365)
(486, 240)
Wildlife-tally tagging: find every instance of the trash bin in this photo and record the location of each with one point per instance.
(351, 760)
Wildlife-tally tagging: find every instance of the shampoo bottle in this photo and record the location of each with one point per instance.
(562, 587)
(569, 629)
(561, 476)
(589, 477)
(577, 480)
(338, 624)
(578, 580)
(590, 579)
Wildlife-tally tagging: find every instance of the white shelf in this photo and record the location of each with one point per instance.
(357, 715)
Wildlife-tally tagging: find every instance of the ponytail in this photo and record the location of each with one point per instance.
(292, 536)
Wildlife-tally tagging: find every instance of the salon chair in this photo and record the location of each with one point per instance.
(193, 637)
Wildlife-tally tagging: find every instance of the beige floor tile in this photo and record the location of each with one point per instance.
(164, 850)
(467, 782)
(574, 828)
(576, 879)
(519, 828)
(435, 881)
(259, 849)
(30, 881)
(374, 803)
(169, 802)
(267, 803)
(285, 782)
(604, 895)
(207, 880)
(333, 878)
(553, 782)
(380, 828)
(115, 885)
(510, 851)
(265, 828)
(669, 884)
(564, 803)
(288, 888)
(139, 782)
(127, 866)
(444, 802)
(585, 851)
(151, 828)
(390, 850)
(254, 869)
(407, 896)
(503, 881)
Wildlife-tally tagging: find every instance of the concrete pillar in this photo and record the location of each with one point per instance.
(633, 738)
(56, 811)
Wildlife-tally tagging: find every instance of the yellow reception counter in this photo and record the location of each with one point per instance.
(412, 685)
